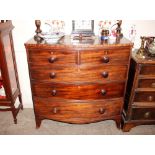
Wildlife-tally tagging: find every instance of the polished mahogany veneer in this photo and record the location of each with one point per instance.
(79, 91)
(78, 111)
(79, 73)
(78, 82)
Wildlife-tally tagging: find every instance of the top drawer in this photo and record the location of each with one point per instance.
(46, 57)
(147, 70)
(88, 57)
(105, 56)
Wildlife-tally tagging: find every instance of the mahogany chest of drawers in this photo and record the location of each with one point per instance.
(139, 107)
(78, 83)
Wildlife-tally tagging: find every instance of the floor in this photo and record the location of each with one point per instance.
(26, 126)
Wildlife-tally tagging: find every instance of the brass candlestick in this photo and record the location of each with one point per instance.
(141, 52)
(38, 30)
(119, 29)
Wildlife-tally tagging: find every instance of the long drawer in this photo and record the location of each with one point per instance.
(78, 91)
(79, 73)
(77, 112)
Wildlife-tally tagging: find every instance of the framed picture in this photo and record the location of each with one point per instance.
(84, 27)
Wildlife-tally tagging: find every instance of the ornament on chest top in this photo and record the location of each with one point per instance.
(53, 31)
(110, 29)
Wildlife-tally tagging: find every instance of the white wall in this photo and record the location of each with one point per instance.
(24, 30)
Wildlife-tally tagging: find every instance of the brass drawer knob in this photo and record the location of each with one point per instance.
(52, 75)
(105, 74)
(103, 92)
(54, 92)
(52, 59)
(106, 59)
(147, 115)
(102, 110)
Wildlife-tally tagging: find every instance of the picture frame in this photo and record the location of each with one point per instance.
(83, 27)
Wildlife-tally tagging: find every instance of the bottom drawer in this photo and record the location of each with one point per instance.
(143, 114)
(77, 111)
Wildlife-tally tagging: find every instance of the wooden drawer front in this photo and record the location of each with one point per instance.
(49, 57)
(54, 74)
(147, 70)
(79, 92)
(83, 112)
(143, 114)
(105, 56)
(146, 83)
(144, 97)
(81, 74)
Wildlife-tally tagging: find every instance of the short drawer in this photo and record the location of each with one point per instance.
(146, 83)
(143, 114)
(79, 73)
(77, 112)
(54, 74)
(105, 56)
(52, 57)
(144, 97)
(147, 70)
(78, 91)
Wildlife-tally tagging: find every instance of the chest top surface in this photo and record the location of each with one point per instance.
(67, 41)
(144, 60)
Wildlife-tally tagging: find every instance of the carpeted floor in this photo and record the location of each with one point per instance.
(26, 126)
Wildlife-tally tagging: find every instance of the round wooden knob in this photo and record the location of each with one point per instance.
(106, 52)
(52, 75)
(55, 110)
(150, 98)
(105, 74)
(102, 110)
(153, 85)
(52, 59)
(54, 92)
(147, 115)
(103, 92)
(105, 59)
